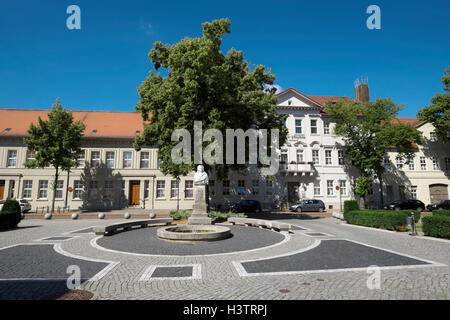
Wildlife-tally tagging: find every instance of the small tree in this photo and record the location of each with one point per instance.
(439, 112)
(369, 129)
(361, 188)
(56, 141)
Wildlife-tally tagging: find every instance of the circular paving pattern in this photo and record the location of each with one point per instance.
(145, 241)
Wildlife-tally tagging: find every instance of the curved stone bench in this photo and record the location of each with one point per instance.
(274, 225)
(125, 226)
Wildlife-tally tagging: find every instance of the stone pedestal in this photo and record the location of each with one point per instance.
(199, 214)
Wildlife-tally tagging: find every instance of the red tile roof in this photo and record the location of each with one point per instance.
(107, 123)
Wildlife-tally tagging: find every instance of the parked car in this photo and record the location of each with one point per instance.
(405, 204)
(246, 206)
(443, 205)
(308, 205)
(25, 206)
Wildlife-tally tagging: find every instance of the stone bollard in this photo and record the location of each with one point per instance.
(152, 215)
(101, 215)
(74, 216)
(48, 216)
(127, 215)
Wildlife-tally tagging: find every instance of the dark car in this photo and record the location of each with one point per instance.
(443, 205)
(247, 206)
(405, 204)
(308, 205)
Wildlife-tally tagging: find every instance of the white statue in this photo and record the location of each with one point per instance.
(201, 177)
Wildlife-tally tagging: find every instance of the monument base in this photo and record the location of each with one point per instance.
(203, 219)
(199, 214)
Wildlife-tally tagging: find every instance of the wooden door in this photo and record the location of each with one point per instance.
(134, 193)
(2, 189)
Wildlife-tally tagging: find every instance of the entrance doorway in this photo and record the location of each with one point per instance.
(135, 189)
(438, 192)
(293, 192)
(2, 189)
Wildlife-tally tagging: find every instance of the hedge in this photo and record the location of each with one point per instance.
(387, 219)
(350, 205)
(436, 226)
(10, 215)
(179, 215)
(445, 213)
(218, 216)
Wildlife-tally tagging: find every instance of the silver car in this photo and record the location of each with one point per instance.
(25, 206)
(308, 205)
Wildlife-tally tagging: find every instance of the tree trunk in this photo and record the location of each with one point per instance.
(67, 189)
(55, 184)
(381, 191)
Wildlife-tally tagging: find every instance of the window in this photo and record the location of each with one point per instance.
(145, 160)
(110, 159)
(315, 156)
(241, 187)
(127, 156)
(433, 136)
(77, 189)
(330, 191)
(43, 188)
(387, 163)
(423, 164)
(174, 188)
(317, 188)
(93, 188)
(12, 159)
(146, 189)
(158, 164)
(447, 163)
(343, 187)
(341, 157)
(435, 163)
(30, 155)
(269, 188)
(299, 156)
(414, 192)
(326, 127)
(226, 187)
(160, 189)
(109, 184)
(59, 189)
(328, 157)
(399, 162)
(255, 187)
(284, 156)
(95, 159)
(122, 188)
(298, 126)
(27, 188)
(313, 126)
(12, 187)
(189, 189)
(411, 163)
(81, 159)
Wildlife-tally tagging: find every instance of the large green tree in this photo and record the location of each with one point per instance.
(439, 112)
(56, 142)
(203, 84)
(369, 129)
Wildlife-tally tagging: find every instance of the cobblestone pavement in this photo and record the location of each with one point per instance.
(220, 276)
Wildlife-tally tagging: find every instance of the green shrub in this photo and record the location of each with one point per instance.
(180, 214)
(218, 216)
(350, 205)
(436, 226)
(10, 215)
(391, 220)
(444, 213)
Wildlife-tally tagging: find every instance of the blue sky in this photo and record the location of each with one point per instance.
(317, 47)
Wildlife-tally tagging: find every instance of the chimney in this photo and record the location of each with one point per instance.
(362, 89)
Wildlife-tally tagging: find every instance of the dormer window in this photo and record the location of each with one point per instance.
(94, 131)
(138, 131)
(289, 102)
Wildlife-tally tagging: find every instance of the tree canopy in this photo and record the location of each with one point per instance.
(56, 141)
(203, 84)
(369, 129)
(439, 112)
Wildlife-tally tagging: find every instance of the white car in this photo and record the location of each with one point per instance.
(25, 206)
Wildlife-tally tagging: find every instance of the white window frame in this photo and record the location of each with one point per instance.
(328, 158)
(436, 165)
(110, 162)
(30, 155)
(326, 127)
(174, 188)
(299, 154)
(95, 162)
(316, 159)
(127, 163)
(317, 191)
(43, 189)
(413, 191)
(411, 166)
(78, 190)
(189, 189)
(160, 189)
(27, 187)
(341, 160)
(81, 160)
(343, 187)
(314, 127)
(298, 125)
(330, 189)
(11, 158)
(423, 164)
(145, 162)
(399, 163)
(59, 189)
